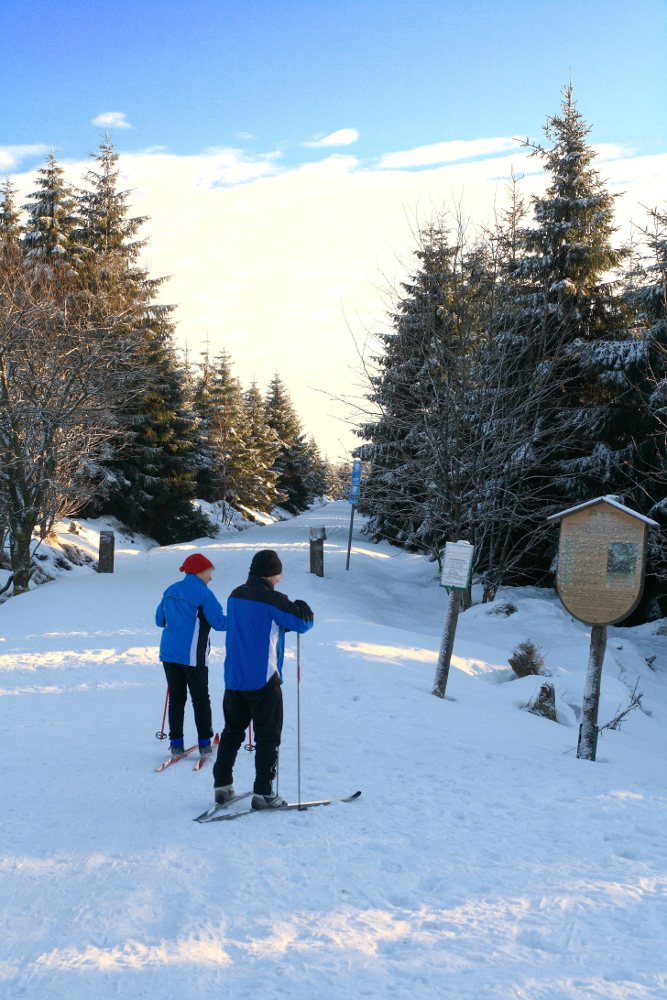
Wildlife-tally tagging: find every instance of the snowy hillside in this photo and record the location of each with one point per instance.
(482, 862)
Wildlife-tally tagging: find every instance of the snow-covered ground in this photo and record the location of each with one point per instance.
(483, 859)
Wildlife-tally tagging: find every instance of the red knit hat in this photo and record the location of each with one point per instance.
(196, 563)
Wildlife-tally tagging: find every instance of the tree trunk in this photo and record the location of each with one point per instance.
(20, 537)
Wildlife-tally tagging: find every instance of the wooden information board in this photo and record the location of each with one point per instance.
(601, 560)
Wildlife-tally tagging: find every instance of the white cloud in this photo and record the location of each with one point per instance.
(112, 119)
(447, 152)
(11, 156)
(229, 167)
(612, 151)
(342, 137)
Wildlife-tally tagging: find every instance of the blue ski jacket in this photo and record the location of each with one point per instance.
(187, 613)
(257, 618)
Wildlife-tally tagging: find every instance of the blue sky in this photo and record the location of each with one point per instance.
(286, 152)
(193, 75)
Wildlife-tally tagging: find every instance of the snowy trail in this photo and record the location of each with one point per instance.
(482, 861)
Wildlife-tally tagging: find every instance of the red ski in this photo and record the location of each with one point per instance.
(202, 760)
(174, 760)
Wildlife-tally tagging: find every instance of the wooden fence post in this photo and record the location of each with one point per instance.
(317, 536)
(107, 546)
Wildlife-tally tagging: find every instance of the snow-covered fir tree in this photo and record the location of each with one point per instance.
(420, 376)
(52, 215)
(319, 481)
(292, 462)
(508, 525)
(393, 496)
(151, 481)
(578, 327)
(227, 432)
(10, 216)
(515, 380)
(201, 391)
(260, 490)
(106, 227)
(580, 331)
(645, 478)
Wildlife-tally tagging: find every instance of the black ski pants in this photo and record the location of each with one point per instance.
(264, 708)
(180, 680)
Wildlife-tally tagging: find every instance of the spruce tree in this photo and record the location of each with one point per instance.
(154, 477)
(227, 432)
(566, 318)
(645, 476)
(291, 463)
(52, 215)
(105, 225)
(412, 378)
(260, 491)
(579, 326)
(207, 482)
(152, 480)
(320, 476)
(10, 218)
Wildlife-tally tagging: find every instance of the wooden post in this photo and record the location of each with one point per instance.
(455, 577)
(106, 558)
(317, 536)
(447, 642)
(588, 730)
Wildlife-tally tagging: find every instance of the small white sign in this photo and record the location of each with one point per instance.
(457, 565)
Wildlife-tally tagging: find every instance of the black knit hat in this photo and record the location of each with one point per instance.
(266, 563)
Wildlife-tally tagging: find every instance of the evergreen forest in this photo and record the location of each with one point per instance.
(523, 371)
(99, 411)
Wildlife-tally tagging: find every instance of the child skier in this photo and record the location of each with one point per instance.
(187, 613)
(257, 618)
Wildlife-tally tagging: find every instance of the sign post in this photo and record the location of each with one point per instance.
(600, 580)
(107, 547)
(317, 537)
(355, 491)
(456, 575)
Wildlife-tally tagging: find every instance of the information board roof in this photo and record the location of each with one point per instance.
(613, 501)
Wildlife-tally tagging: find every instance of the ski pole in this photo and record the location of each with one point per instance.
(162, 735)
(298, 715)
(250, 746)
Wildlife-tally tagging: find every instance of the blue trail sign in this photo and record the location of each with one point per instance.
(355, 482)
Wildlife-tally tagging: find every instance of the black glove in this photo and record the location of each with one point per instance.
(304, 611)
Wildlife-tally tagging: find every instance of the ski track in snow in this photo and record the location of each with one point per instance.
(483, 860)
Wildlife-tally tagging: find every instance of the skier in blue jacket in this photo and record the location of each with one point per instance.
(257, 618)
(187, 613)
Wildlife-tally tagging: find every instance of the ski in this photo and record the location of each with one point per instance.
(202, 760)
(174, 760)
(217, 807)
(290, 805)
